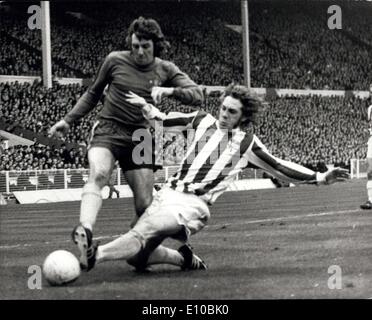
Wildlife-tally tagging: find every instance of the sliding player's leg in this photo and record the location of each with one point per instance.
(144, 238)
(141, 253)
(191, 215)
(184, 257)
(171, 214)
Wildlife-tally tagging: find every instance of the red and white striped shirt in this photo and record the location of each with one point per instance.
(215, 156)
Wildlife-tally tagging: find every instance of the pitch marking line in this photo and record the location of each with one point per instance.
(310, 215)
(15, 246)
(321, 214)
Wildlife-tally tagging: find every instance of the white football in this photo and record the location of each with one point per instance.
(61, 267)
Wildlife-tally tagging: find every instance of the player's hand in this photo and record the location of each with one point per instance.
(152, 113)
(158, 93)
(135, 99)
(148, 110)
(59, 129)
(336, 175)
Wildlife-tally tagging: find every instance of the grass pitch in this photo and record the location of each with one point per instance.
(265, 244)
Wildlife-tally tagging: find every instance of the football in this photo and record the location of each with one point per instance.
(61, 267)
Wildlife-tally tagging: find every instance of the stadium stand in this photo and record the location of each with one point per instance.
(311, 57)
(311, 130)
(294, 128)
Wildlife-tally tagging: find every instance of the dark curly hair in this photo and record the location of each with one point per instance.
(148, 29)
(252, 103)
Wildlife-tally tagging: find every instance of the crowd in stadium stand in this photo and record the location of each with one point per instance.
(36, 107)
(310, 130)
(15, 60)
(316, 131)
(291, 47)
(291, 44)
(40, 157)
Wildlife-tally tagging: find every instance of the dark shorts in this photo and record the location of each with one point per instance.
(118, 140)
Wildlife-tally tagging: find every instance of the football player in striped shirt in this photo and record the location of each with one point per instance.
(220, 149)
(368, 204)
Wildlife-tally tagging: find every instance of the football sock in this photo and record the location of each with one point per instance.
(164, 255)
(124, 247)
(91, 202)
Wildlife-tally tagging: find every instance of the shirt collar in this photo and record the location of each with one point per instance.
(237, 129)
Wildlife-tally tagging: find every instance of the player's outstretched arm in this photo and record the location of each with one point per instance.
(288, 171)
(173, 121)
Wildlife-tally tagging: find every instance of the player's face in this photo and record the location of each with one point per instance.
(142, 50)
(230, 113)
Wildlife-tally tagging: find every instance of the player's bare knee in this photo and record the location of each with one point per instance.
(99, 178)
(142, 203)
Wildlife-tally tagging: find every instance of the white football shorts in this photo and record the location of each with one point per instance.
(168, 211)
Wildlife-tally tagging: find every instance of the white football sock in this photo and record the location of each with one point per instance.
(164, 255)
(124, 247)
(91, 202)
